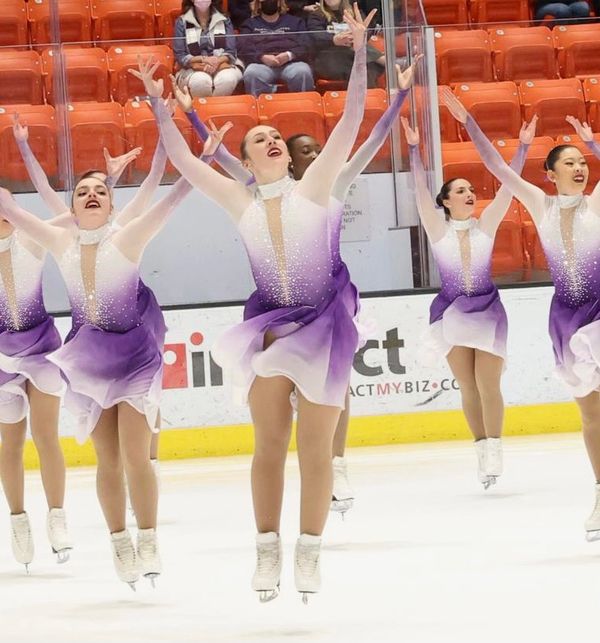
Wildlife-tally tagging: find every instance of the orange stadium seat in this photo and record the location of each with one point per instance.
(592, 161)
(20, 78)
(463, 56)
(13, 23)
(123, 20)
(122, 58)
(507, 256)
(552, 100)
(499, 11)
(167, 11)
(591, 93)
(495, 107)
(86, 72)
(41, 122)
(446, 12)
(241, 110)
(578, 48)
(461, 160)
(94, 126)
(448, 124)
(141, 130)
(523, 53)
(376, 104)
(533, 170)
(75, 21)
(295, 113)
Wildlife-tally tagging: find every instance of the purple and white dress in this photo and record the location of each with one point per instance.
(299, 300)
(27, 332)
(110, 355)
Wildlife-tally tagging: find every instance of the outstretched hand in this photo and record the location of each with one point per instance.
(21, 132)
(584, 131)
(358, 25)
(412, 135)
(406, 77)
(115, 166)
(183, 96)
(147, 69)
(215, 137)
(527, 133)
(457, 109)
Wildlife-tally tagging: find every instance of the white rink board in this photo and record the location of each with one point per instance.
(387, 379)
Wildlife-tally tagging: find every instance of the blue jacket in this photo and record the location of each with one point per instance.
(287, 34)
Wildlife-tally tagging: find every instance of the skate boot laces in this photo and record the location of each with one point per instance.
(21, 539)
(58, 534)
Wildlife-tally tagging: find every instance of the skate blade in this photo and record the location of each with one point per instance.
(27, 568)
(268, 595)
(490, 482)
(152, 576)
(305, 596)
(341, 506)
(62, 555)
(131, 584)
(592, 536)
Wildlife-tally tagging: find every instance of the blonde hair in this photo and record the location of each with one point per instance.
(256, 7)
(326, 11)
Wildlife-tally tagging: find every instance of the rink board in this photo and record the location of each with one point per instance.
(394, 399)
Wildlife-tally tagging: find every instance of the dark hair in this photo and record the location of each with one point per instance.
(188, 4)
(444, 193)
(292, 139)
(554, 155)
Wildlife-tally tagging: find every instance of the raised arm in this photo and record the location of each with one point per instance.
(141, 200)
(53, 238)
(378, 135)
(586, 134)
(36, 172)
(530, 195)
(231, 164)
(430, 216)
(229, 194)
(492, 216)
(318, 180)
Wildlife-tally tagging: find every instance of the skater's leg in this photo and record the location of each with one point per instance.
(272, 413)
(314, 436)
(589, 407)
(341, 430)
(11, 464)
(44, 431)
(155, 439)
(462, 364)
(488, 371)
(134, 441)
(110, 484)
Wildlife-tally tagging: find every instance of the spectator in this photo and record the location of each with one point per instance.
(275, 48)
(573, 11)
(302, 8)
(333, 41)
(204, 46)
(239, 11)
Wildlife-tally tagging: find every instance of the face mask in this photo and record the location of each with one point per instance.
(202, 5)
(269, 7)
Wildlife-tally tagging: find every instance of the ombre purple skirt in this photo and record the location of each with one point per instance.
(103, 368)
(473, 321)
(23, 358)
(575, 335)
(151, 313)
(314, 348)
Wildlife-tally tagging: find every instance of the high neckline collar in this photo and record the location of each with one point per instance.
(275, 189)
(91, 237)
(462, 224)
(569, 201)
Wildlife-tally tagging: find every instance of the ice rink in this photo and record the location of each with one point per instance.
(426, 555)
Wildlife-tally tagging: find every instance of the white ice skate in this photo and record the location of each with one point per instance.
(482, 457)
(495, 461)
(148, 556)
(125, 558)
(592, 524)
(342, 498)
(307, 571)
(21, 539)
(268, 566)
(56, 528)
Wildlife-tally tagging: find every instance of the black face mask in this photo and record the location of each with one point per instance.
(269, 7)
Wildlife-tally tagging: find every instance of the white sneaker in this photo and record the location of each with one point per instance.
(592, 524)
(495, 464)
(268, 566)
(125, 558)
(148, 555)
(342, 494)
(307, 571)
(21, 539)
(56, 528)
